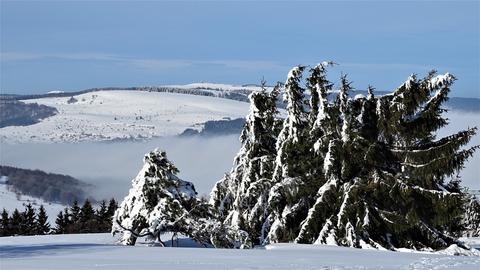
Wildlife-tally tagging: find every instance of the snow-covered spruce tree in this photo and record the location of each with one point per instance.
(365, 172)
(42, 226)
(160, 202)
(472, 217)
(386, 173)
(241, 196)
(290, 197)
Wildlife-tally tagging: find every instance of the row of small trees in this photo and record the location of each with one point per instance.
(74, 219)
(85, 219)
(28, 222)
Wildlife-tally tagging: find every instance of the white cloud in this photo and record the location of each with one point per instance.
(246, 64)
(388, 66)
(158, 64)
(26, 56)
(148, 64)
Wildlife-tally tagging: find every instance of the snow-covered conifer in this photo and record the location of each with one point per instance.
(472, 217)
(241, 196)
(60, 224)
(4, 223)
(322, 119)
(15, 223)
(391, 190)
(288, 199)
(28, 220)
(161, 202)
(41, 224)
(378, 177)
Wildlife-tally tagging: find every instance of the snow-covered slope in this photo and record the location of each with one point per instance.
(122, 115)
(9, 200)
(98, 251)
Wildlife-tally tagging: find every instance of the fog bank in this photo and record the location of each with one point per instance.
(112, 166)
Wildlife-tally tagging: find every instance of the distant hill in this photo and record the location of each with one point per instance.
(139, 113)
(217, 127)
(50, 187)
(234, 92)
(124, 115)
(16, 113)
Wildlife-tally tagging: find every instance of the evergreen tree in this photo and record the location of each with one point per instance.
(364, 172)
(472, 218)
(399, 174)
(87, 220)
(243, 193)
(320, 114)
(67, 220)
(27, 226)
(325, 122)
(101, 212)
(74, 215)
(161, 202)
(87, 212)
(112, 207)
(42, 225)
(5, 224)
(16, 221)
(103, 221)
(289, 198)
(60, 224)
(104, 215)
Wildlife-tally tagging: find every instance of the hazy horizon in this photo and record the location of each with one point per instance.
(160, 85)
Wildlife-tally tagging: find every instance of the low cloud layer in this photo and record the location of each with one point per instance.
(461, 121)
(112, 166)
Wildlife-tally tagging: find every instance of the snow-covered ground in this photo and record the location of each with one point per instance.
(9, 200)
(472, 241)
(100, 251)
(122, 115)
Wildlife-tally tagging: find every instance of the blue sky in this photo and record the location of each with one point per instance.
(74, 45)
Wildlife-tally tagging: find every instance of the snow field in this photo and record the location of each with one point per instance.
(100, 251)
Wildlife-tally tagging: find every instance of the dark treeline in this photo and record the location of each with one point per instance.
(51, 187)
(16, 113)
(73, 219)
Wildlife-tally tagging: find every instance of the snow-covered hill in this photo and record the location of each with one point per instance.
(99, 251)
(122, 115)
(10, 200)
(219, 87)
(137, 113)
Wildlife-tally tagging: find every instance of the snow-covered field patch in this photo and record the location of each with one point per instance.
(100, 251)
